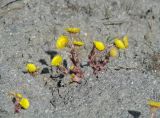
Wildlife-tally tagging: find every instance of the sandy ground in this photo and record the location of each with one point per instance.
(28, 29)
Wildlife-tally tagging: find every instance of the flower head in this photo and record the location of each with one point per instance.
(113, 52)
(24, 103)
(119, 43)
(57, 60)
(72, 67)
(153, 103)
(73, 30)
(31, 68)
(99, 45)
(72, 75)
(78, 43)
(19, 95)
(62, 42)
(125, 41)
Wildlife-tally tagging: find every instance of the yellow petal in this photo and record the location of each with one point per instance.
(73, 30)
(99, 45)
(31, 68)
(113, 52)
(125, 41)
(62, 42)
(154, 103)
(24, 103)
(78, 43)
(57, 60)
(119, 43)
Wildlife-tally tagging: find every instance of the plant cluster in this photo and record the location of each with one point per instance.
(98, 57)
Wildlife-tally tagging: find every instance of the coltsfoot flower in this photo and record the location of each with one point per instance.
(153, 103)
(24, 103)
(62, 42)
(78, 43)
(72, 75)
(31, 68)
(57, 60)
(113, 52)
(99, 45)
(125, 41)
(119, 43)
(154, 106)
(19, 101)
(19, 95)
(73, 30)
(72, 67)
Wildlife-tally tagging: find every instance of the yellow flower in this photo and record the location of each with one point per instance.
(57, 60)
(73, 30)
(125, 41)
(119, 43)
(24, 103)
(62, 42)
(72, 76)
(99, 45)
(113, 52)
(78, 43)
(153, 103)
(72, 67)
(31, 68)
(18, 95)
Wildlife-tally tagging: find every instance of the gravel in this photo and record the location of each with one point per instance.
(28, 30)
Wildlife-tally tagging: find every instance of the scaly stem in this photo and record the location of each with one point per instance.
(153, 111)
(63, 69)
(153, 115)
(74, 56)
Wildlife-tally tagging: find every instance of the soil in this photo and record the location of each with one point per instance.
(28, 30)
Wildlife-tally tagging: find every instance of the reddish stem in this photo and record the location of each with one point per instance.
(97, 65)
